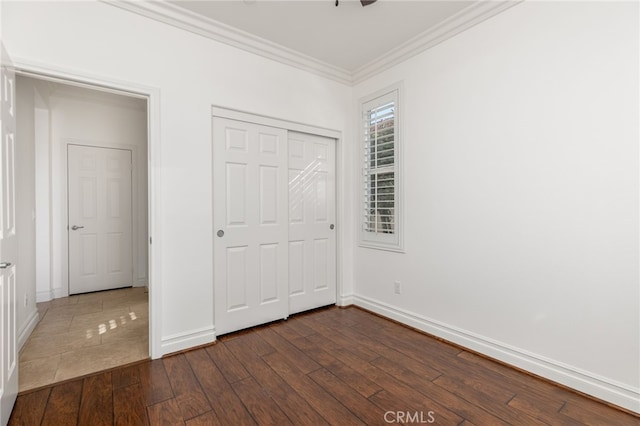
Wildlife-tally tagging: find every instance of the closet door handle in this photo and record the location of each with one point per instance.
(76, 227)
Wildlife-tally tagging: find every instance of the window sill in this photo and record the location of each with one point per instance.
(384, 247)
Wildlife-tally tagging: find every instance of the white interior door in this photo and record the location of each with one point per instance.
(312, 234)
(100, 218)
(250, 221)
(8, 243)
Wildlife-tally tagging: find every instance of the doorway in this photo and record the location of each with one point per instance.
(70, 121)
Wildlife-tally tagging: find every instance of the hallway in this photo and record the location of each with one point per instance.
(85, 333)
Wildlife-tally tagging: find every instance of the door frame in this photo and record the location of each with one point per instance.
(154, 202)
(341, 237)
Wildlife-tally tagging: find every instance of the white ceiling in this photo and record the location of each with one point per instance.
(348, 36)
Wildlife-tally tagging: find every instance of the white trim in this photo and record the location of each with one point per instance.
(264, 120)
(346, 300)
(152, 94)
(44, 296)
(57, 293)
(189, 339)
(176, 16)
(214, 30)
(584, 381)
(27, 328)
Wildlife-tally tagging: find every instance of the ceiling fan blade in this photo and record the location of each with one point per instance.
(367, 2)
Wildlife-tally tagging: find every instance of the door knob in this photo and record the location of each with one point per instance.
(5, 265)
(332, 226)
(76, 227)
(220, 233)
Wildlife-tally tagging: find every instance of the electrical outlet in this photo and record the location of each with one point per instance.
(396, 287)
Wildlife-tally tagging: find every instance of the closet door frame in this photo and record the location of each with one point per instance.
(222, 112)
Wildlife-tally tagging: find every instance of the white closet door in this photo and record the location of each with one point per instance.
(100, 219)
(250, 224)
(312, 212)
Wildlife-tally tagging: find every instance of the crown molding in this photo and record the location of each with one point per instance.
(214, 30)
(176, 16)
(468, 17)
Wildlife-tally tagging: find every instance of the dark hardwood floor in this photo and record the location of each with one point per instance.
(330, 366)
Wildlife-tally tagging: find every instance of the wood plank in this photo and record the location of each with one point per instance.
(296, 325)
(63, 405)
(29, 408)
(368, 412)
(251, 340)
(453, 402)
(229, 366)
(422, 408)
(545, 410)
(523, 383)
(123, 377)
(129, 407)
(295, 357)
(186, 388)
(354, 379)
(592, 413)
(263, 409)
(331, 335)
(154, 382)
(207, 419)
(293, 405)
(96, 407)
(165, 413)
(475, 394)
(402, 395)
(326, 405)
(379, 346)
(223, 400)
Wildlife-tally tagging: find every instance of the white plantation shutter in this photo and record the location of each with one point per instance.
(380, 177)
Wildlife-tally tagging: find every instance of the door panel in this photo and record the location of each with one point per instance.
(100, 219)
(250, 221)
(312, 241)
(8, 243)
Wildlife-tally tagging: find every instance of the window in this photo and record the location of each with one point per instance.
(381, 208)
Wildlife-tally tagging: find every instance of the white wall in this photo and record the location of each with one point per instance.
(27, 314)
(191, 73)
(521, 167)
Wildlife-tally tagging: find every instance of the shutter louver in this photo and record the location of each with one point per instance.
(380, 169)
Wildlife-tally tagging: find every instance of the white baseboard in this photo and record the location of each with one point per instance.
(345, 300)
(44, 296)
(181, 341)
(600, 387)
(60, 292)
(28, 327)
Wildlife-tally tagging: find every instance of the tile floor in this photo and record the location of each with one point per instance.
(85, 333)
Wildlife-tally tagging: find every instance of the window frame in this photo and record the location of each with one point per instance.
(380, 240)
